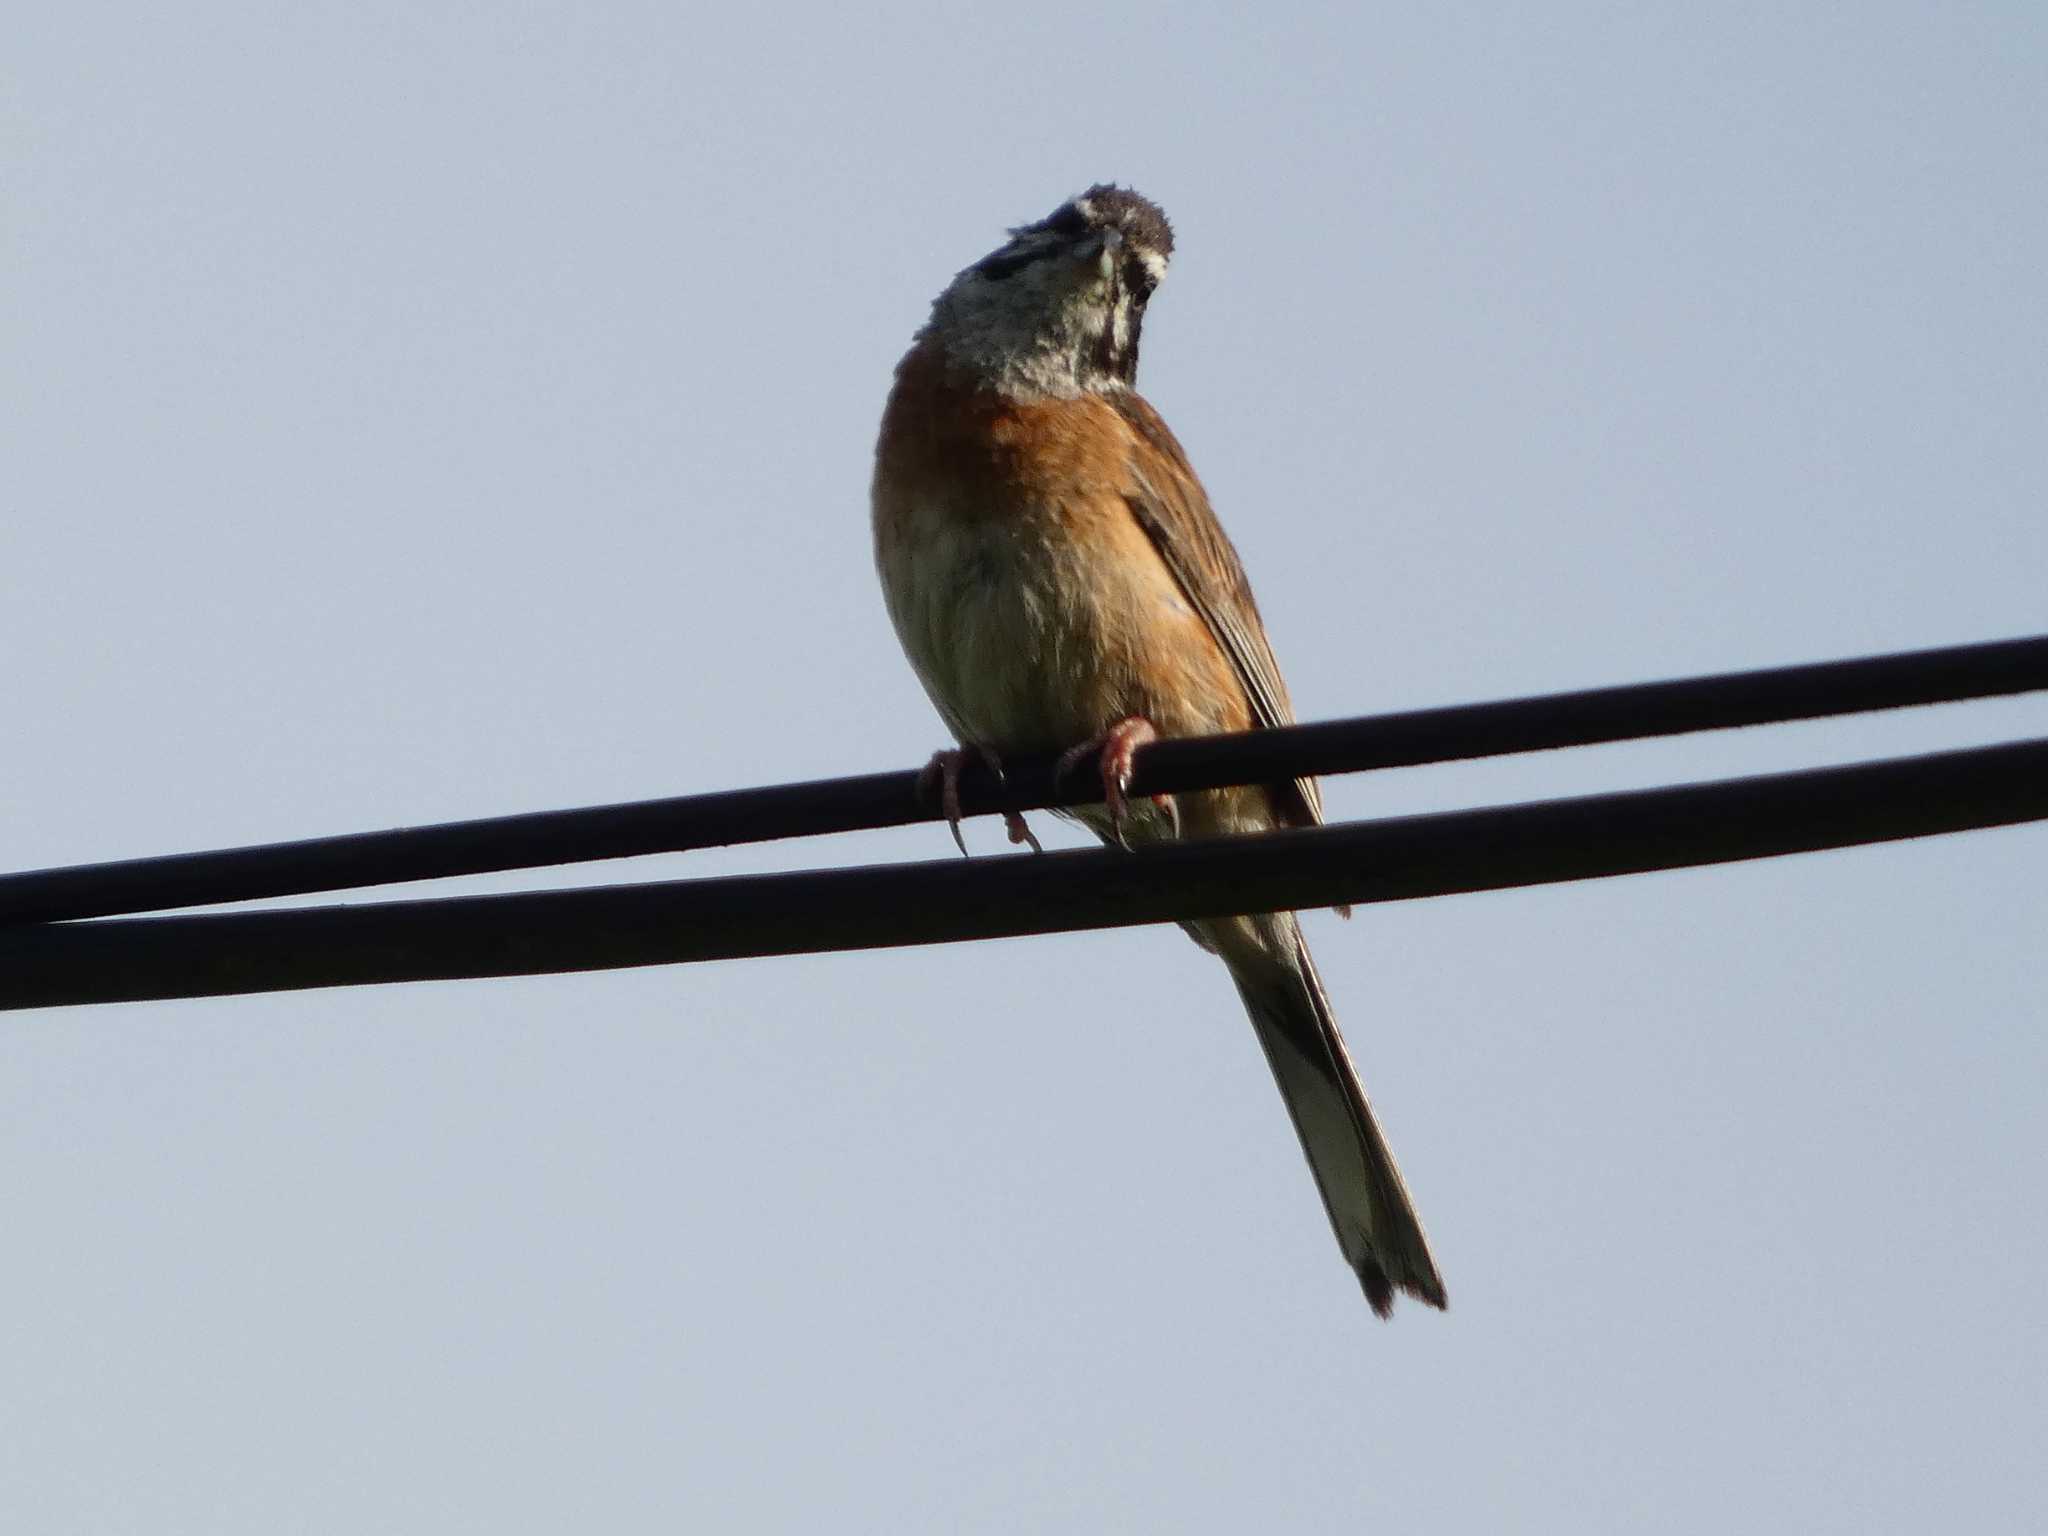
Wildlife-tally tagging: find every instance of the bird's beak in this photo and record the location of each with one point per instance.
(1103, 249)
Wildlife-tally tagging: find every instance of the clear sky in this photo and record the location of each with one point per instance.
(421, 411)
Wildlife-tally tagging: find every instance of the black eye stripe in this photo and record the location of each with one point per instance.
(1069, 221)
(1029, 244)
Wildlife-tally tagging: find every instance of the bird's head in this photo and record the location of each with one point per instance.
(1056, 310)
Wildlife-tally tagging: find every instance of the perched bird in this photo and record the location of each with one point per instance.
(1060, 583)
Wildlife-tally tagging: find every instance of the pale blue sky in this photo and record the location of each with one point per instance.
(422, 411)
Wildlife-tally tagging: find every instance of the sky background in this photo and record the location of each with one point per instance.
(425, 411)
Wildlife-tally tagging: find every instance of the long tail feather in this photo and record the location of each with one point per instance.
(1362, 1188)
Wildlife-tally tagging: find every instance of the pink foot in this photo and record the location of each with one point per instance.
(943, 771)
(1020, 831)
(1115, 752)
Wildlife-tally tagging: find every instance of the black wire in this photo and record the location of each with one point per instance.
(893, 799)
(210, 955)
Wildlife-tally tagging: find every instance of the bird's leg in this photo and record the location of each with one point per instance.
(1115, 751)
(943, 772)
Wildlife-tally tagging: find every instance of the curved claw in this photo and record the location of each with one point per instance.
(943, 771)
(1020, 830)
(1115, 752)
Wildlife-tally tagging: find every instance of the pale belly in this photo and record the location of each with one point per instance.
(1024, 640)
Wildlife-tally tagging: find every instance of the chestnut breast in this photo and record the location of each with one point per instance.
(1035, 608)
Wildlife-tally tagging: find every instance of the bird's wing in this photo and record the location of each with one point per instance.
(1173, 509)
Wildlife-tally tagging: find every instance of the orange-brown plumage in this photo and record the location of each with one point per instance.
(1040, 488)
(1058, 578)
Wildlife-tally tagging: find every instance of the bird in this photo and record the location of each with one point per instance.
(1060, 583)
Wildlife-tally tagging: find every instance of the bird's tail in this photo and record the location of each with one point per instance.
(1362, 1189)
